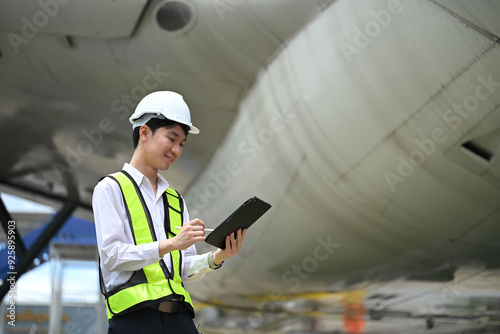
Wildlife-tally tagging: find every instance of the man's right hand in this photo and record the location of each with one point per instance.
(191, 233)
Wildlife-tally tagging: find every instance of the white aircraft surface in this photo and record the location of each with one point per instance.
(373, 128)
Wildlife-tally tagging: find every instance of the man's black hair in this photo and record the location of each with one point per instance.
(156, 123)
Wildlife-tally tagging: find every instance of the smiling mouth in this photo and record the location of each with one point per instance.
(169, 158)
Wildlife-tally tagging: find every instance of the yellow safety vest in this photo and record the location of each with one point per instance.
(154, 283)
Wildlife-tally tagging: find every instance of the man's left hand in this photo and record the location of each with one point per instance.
(234, 243)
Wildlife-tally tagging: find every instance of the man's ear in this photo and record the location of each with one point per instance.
(144, 133)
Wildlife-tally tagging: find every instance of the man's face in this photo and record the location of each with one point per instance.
(164, 146)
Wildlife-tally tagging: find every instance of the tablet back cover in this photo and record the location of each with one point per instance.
(243, 217)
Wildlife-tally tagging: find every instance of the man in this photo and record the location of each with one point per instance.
(144, 235)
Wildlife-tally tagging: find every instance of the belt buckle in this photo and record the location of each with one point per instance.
(169, 307)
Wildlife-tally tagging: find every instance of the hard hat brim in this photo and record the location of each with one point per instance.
(193, 129)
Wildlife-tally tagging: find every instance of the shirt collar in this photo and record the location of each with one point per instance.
(139, 177)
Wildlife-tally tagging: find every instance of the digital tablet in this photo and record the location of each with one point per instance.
(243, 217)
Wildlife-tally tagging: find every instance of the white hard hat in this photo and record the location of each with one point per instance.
(163, 104)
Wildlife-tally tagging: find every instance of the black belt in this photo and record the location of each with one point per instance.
(169, 307)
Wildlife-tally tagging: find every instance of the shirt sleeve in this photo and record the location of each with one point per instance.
(115, 242)
(196, 266)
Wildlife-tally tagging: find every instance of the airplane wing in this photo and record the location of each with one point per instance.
(375, 136)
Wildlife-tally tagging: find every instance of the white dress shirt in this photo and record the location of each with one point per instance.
(120, 257)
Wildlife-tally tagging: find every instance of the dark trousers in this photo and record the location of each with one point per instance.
(148, 320)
